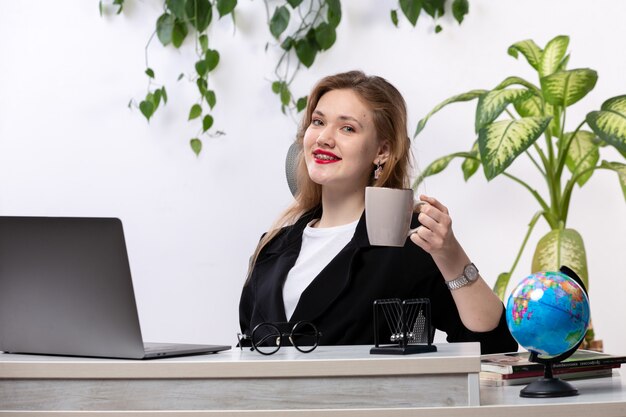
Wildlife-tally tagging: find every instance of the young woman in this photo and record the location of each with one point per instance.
(316, 263)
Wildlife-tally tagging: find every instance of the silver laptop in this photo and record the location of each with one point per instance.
(66, 289)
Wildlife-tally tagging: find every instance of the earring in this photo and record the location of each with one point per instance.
(378, 170)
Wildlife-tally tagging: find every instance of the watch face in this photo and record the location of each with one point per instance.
(471, 272)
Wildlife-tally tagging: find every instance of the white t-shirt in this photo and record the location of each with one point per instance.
(319, 247)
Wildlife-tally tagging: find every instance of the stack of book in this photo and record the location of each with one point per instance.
(515, 368)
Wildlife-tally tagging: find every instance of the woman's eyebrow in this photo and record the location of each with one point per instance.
(342, 117)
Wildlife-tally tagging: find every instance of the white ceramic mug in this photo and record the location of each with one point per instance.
(388, 214)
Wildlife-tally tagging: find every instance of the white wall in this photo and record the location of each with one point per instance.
(70, 146)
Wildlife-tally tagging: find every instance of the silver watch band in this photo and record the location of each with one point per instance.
(457, 283)
(469, 275)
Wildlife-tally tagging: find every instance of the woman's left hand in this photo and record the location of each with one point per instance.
(435, 234)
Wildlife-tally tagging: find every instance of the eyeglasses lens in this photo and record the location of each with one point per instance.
(266, 338)
(304, 337)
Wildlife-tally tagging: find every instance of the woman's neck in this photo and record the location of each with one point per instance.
(339, 208)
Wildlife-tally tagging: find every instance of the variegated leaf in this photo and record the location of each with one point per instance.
(620, 169)
(531, 107)
(529, 49)
(552, 55)
(610, 122)
(437, 166)
(561, 247)
(501, 283)
(519, 81)
(565, 88)
(563, 64)
(501, 142)
(492, 104)
(470, 95)
(583, 153)
(470, 165)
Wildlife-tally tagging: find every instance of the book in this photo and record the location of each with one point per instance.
(494, 379)
(515, 362)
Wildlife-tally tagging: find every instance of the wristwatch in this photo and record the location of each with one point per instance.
(469, 275)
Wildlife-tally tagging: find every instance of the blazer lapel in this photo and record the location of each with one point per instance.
(273, 266)
(333, 279)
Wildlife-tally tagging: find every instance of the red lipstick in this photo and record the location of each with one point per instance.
(324, 157)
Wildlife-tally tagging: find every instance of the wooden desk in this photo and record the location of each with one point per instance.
(340, 377)
(332, 381)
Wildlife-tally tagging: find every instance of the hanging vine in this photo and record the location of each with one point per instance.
(301, 29)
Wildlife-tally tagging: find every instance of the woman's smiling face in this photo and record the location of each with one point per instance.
(341, 146)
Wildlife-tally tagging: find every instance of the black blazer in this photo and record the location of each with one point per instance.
(340, 299)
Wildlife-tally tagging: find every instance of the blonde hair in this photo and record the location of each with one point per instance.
(390, 121)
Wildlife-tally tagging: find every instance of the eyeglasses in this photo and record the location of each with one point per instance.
(267, 338)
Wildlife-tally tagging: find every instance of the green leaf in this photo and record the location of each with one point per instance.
(553, 54)
(501, 283)
(287, 44)
(583, 153)
(411, 9)
(225, 7)
(470, 95)
(202, 85)
(519, 81)
(279, 21)
(492, 104)
(207, 122)
(201, 67)
(180, 33)
(529, 49)
(195, 111)
(325, 36)
(199, 13)
(301, 104)
(437, 166)
(561, 247)
(394, 17)
(164, 95)
(212, 58)
(180, 76)
(435, 8)
(276, 86)
(204, 43)
(285, 95)
(147, 109)
(150, 72)
(155, 98)
(177, 7)
(306, 51)
(438, 29)
(459, 9)
(210, 98)
(620, 169)
(565, 88)
(501, 142)
(196, 146)
(610, 122)
(333, 15)
(294, 3)
(531, 107)
(471, 165)
(165, 27)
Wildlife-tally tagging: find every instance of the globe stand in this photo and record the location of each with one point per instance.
(549, 386)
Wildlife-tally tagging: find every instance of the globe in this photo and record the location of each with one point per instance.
(548, 313)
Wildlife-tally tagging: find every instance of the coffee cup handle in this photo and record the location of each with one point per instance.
(411, 231)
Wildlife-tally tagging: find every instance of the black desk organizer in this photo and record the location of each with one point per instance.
(409, 326)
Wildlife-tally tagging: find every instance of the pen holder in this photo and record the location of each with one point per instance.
(408, 326)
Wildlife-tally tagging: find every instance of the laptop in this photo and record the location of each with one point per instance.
(66, 289)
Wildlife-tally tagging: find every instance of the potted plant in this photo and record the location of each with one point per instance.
(517, 118)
